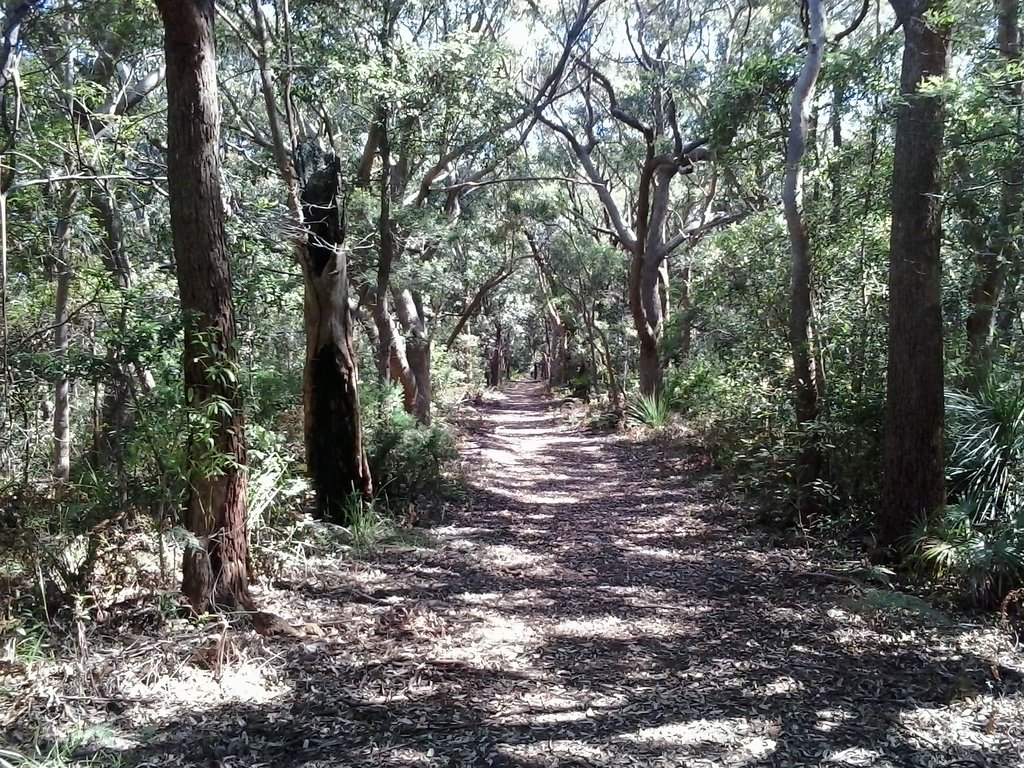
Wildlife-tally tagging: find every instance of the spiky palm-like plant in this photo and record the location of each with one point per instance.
(979, 538)
(652, 410)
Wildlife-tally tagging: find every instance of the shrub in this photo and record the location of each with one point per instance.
(650, 410)
(406, 459)
(978, 540)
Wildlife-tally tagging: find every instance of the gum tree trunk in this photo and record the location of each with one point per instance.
(334, 445)
(805, 379)
(61, 338)
(994, 254)
(216, 566)
(409, 309)
(914, 415)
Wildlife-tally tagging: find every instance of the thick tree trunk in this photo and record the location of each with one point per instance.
(914, 415)
(645, 303)
(805, 379)
(216, 567)
(993, 254)
(334, 445)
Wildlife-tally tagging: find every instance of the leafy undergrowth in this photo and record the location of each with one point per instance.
(595, 602)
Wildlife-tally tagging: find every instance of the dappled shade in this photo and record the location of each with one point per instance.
(598, 603)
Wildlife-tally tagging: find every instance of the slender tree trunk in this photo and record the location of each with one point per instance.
(216, 567)
(334, 447)
(992, 255)
(686, 304)
(557, 340)
(385, 257)
(61, 338)
(805, 382)
(116, 419)
(496, 372)
(409, 309)
(914, 415)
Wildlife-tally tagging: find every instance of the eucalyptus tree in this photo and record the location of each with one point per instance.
(986, 130)
(108, 66)
(807, 382)
(914, 415)
(643, 103)
(421, 109)
(88, 74)
(216, 566)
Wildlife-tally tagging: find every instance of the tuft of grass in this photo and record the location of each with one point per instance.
(367, 527)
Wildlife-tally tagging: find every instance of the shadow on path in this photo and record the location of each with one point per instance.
(593, 608)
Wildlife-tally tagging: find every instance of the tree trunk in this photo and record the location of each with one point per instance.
(62, 391)
(557, 339)
(496, 372)
(914, 415)
(645, 308)
(61, 337)
(409, 309)
(993, 254)
(686, 305)
(805, 384)
(116, 418)
(385, 257)
(334, 445)
(216, 567)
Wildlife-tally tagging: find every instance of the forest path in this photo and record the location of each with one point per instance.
(599, 603)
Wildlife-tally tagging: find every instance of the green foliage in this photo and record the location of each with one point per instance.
(987, 461)
(406, 459)
(650, 410)
(978, 540)
(695, 387)
(760, 84)
(986, 562)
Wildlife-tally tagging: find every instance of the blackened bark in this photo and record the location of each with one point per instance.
(914, 447)
(334, 446)
(216, 567)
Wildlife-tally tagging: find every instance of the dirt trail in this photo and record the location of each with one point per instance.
(600, 604)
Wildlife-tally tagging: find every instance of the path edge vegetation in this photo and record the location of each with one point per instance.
(605, 221)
